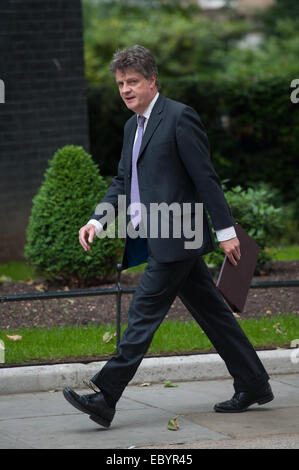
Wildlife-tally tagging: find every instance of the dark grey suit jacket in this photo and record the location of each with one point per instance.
(174, 165)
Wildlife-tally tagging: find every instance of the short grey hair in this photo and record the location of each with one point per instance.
(138, 58)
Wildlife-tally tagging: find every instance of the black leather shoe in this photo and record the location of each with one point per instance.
(242, 400)
(94, 405)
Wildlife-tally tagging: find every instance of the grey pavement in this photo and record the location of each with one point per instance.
(45, 420)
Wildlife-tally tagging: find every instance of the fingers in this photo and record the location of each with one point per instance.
(232, 258)
(82, 241)
(86, 233)
(232, 250)
(91, 236)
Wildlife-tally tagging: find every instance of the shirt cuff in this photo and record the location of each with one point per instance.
(226, 234)
(97, 224)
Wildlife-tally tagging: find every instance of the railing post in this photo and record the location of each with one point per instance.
(118, 304)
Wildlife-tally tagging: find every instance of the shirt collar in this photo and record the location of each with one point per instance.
(149, 109)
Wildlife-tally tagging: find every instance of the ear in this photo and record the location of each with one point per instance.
(152, 81)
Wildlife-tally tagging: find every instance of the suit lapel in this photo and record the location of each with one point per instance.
(129, 142)
(153, 122)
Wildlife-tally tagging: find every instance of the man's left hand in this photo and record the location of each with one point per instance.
(232, 250)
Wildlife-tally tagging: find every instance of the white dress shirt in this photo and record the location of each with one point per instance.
(222, 235)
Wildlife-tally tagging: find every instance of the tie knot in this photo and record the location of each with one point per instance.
(141, 121)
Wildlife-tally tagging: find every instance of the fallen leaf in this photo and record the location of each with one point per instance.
(145, 384)
(14, 337)
(108, 337)
(4, 278)
(168, 383)
(41, 287)
(173, 424)
(279, 330)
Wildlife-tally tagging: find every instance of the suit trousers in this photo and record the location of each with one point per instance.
(191, 280)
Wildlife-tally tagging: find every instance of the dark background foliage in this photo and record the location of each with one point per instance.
(253, 129)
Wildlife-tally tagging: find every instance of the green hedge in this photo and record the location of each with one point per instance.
(253, 129)
(202, 64)
(71, 189)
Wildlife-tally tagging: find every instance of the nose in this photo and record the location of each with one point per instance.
(126, 88)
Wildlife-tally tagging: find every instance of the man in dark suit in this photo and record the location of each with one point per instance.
(166, 159)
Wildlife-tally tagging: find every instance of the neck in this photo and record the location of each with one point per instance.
(141, 112)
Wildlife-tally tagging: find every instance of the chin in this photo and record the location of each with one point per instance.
(130, 107)
(133, 107)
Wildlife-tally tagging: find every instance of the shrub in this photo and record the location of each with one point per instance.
(71, 190)
(254, 211)
(256, 142)
(183, 42)
(241, 93)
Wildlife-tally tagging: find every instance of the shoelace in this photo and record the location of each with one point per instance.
(91, 385)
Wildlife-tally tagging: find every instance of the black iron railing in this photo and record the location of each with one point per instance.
(118, 290)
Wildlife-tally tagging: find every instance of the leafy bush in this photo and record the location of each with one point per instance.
(71, 190)
(280, 10)
(182, 40)
(242, 93)
(254, 211)
(252, 127)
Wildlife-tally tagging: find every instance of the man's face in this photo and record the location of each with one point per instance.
(136, 90)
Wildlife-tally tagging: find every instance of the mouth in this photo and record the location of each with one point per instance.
(129, 99)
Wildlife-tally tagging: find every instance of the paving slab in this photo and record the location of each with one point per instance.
(46, 420)
(286, 441)
(257, 422)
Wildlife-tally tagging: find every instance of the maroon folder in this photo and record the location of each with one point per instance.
(234, 281)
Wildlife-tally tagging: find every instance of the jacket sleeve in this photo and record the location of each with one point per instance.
(115, 189)
(194, 151)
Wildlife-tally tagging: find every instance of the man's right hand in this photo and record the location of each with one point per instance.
(86, 234)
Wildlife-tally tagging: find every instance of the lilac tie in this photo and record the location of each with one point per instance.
(135, 195)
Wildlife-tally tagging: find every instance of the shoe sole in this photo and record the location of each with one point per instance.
(261, 401)
(97, 419)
